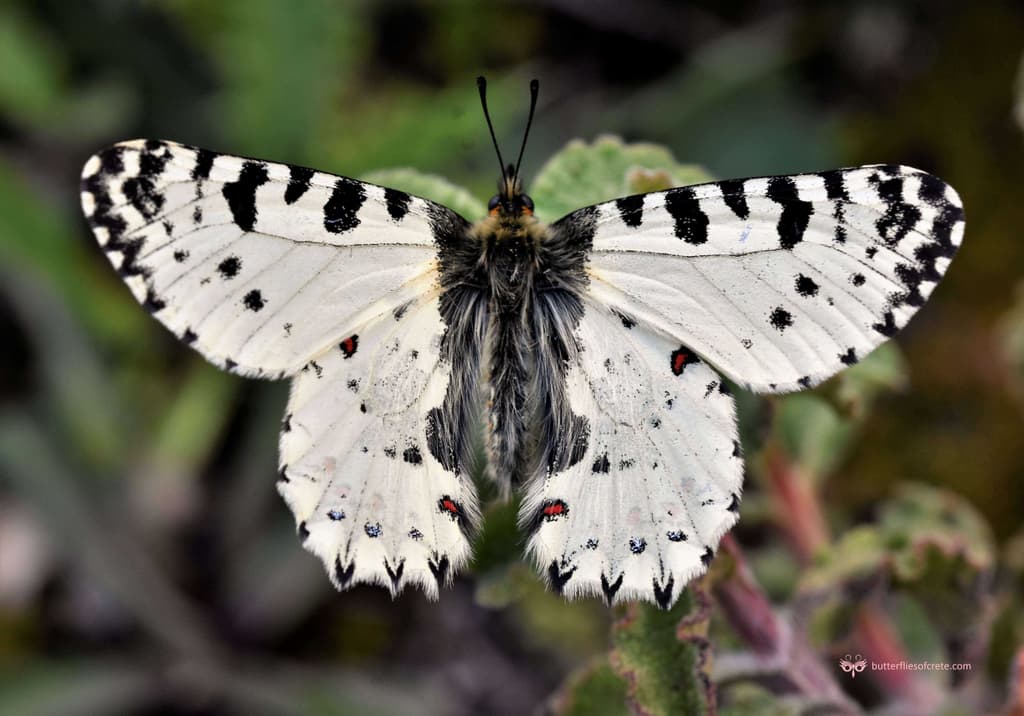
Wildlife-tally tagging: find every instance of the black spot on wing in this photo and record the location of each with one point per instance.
(343, 574)
(112, 160)
(627, 320)
(203, 165)
(341, 212)
(795, 212)
(835, 185)
(691, 223)
(806, 286)
(303, 532)
(734, 503)
(254, 300)
(663, 593)
(707, 556)
(781, 319)
(229, 267)
(558, 577)
(631, 210)
(394, 574)
(848, 358)
(298, 183)
(440, 441)
(397, 203)
(412, 455)
(601, 465)
(899, 217)
(181, 256)
(439, 568)
(153, 302)
(189, 336)
(610, 588)
(735, 197)
(887, 327)
(241, 194)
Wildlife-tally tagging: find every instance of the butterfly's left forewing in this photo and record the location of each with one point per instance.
(272, 270)
(256, 265)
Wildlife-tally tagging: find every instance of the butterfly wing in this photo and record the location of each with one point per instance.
(779, 282)
(639, 513)
(776, 282)
(258, 266)
(271, 270)
(368, 451)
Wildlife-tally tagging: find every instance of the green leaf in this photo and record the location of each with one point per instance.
(430, 187)
(593, 691)
(812, 432)
(928, 540)
(582, 174)
(745, 699)
(883, 370)
(31, 82)
(663, 655)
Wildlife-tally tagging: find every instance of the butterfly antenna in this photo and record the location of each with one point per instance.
(534, 89)
(481, 84)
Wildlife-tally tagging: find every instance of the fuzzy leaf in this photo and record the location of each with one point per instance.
(593, 691)
(664, 656)
(924, 536)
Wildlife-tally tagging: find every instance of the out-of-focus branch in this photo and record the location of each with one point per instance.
(798, 506)
(781, 656)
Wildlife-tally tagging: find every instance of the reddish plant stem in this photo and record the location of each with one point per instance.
(802, 519)
(783, 655)
(745, 605)
(799, 510)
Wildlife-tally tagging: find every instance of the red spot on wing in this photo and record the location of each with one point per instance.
(349, 346)
(682, 357)
(678, 363)
(449, 506)
(553, 509)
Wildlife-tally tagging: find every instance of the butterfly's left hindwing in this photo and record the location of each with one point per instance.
(368, 452)
(641, 511)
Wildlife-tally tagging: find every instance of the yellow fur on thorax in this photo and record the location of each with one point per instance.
(505, 228)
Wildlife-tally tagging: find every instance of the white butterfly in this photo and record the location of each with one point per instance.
(598, 342)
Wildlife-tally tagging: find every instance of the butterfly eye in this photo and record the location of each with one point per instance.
(493, 203)
(526, 201)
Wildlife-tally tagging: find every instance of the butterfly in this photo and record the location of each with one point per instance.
(592, 350)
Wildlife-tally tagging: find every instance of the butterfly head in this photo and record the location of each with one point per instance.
(510, 202)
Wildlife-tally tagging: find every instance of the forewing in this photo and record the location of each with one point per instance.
(640, 512)
(779, 282)
(259, 266)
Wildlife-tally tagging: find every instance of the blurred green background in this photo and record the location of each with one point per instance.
(146, 562)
